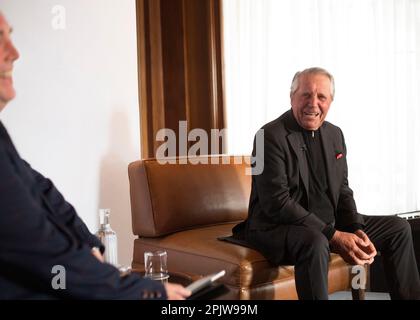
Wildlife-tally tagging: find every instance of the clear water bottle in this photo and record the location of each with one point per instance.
(108, 237)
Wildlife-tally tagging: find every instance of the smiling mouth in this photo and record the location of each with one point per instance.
(311, 114)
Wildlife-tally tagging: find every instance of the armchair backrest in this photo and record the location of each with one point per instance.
(166, 198)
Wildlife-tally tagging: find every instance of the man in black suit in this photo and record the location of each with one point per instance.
(39, 230)
(302, 208)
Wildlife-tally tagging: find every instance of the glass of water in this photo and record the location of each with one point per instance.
(155, 265)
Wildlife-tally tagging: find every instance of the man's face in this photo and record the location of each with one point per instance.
(312, 100)
(8, 54)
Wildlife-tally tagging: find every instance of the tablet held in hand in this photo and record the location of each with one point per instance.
(205, 282)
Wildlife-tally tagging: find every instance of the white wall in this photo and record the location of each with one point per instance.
(75, 117)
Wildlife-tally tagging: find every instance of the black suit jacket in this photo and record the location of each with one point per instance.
(279, 194)
(39, 230)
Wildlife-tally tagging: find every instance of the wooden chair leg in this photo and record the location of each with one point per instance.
(360, 293)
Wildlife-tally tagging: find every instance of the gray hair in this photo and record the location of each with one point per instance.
(315, 70)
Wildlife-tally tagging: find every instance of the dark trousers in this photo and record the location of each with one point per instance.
(309, 251)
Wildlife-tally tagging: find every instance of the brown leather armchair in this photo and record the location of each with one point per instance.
(184, 208)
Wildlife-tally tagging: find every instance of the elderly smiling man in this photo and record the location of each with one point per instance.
(40, 230)
(302, 207)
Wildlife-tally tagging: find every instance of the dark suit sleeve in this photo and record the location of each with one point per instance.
(347, 216)
(32, 242)
(64, 211)
(273, 188)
